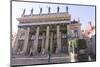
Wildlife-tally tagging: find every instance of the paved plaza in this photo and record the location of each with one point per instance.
(40, 60)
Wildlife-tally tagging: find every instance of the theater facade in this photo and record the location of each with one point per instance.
(45, 33)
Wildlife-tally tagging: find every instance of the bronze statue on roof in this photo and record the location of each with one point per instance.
(23, 12)
(40, 10)
(58, 9)
(66, 8)
(31, 11)
(49, 9)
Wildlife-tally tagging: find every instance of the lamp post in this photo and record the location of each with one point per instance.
(49, 54)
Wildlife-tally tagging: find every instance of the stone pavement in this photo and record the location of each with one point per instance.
(40, 60)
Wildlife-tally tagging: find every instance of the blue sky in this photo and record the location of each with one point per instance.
(85, 13)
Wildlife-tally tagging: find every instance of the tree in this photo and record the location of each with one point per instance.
(81, 43)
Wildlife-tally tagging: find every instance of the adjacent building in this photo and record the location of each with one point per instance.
(90, 35)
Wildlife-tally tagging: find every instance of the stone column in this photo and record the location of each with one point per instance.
(36, 40)
(47, 40)
(16, 41)
(26, 40)
(68, 34)
(79, 33)
(58, 49)
(72, 54)
(51, 41)
(68, 30)
(42, 48)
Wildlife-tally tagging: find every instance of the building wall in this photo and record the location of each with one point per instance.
(54, 33)
(93, 45)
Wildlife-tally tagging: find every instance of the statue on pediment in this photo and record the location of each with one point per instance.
(32, 11)
(58, 9)
(23, 12)
(49, 9)
(40, 10)
(66, 8)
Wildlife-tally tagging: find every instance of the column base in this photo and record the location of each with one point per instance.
(58, 51)
(43, 52)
